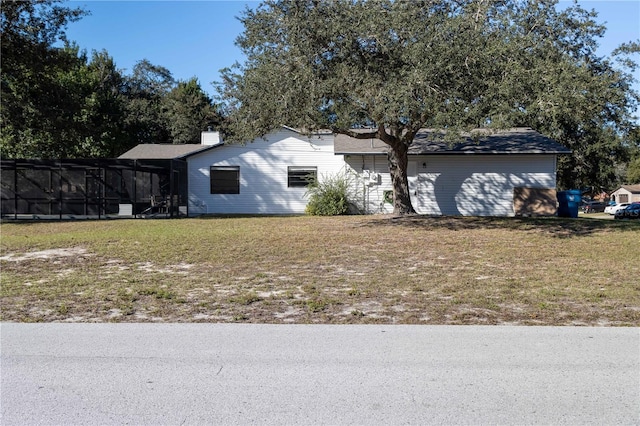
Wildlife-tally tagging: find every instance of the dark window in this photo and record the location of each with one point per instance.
(301, 176)
(225, 179)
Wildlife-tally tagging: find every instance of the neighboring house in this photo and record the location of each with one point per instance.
(626, 194)
(474, 177)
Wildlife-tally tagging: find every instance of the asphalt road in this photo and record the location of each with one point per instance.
(175, 374)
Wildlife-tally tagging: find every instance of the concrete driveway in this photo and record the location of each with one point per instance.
(205, 374)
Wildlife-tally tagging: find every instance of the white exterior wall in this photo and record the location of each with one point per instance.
(263, 174)
(630, 196)
(372, 179)
(459, 185)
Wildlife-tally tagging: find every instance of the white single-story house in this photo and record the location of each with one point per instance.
(626, 194)
(266, 176)
(269, 175)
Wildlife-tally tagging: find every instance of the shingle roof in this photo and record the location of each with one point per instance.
(522, 140)
(634, 189)
(163, 151)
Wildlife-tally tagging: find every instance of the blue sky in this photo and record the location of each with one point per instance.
(196, 38)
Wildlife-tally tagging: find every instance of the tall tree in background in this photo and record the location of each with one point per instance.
(632, 173)
(34, 99)
(189, 111)
(145, 90)
(103, 110)
(586, 102)
(59, 102)
(394, 67)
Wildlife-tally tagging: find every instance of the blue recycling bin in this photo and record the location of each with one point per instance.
(568, 202)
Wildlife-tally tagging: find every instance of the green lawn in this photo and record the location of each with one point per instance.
(354, 269)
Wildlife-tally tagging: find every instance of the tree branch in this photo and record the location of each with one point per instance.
(371, 134)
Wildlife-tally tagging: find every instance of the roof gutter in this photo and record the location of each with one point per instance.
(460, 153)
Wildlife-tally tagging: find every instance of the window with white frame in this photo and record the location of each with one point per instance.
(225, 179)
(300, 177)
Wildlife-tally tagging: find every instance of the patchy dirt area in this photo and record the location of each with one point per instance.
(44, 254)
(414, 274)
(143, 291)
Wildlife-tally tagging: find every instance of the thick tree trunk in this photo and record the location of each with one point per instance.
(398, 162)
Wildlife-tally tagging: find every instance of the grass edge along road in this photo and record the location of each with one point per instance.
(301, 269)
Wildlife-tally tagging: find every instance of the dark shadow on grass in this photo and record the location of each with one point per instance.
(555, 226)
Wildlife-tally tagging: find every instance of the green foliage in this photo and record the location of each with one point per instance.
(159, 293)
(245, 298)
(59, 102)
(397, 66)
(74, 110)
(316, 305)
(145, 90)
(33, 99)
(330, 196)
(56, 101)
(188, 111)
(633, 171)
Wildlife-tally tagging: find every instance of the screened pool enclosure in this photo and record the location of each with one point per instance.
(102, 188)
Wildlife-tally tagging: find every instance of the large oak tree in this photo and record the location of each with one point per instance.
(392, 67)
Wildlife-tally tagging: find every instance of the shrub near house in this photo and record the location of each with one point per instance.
(330, 196)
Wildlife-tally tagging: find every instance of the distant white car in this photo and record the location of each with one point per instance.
(614, 208)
